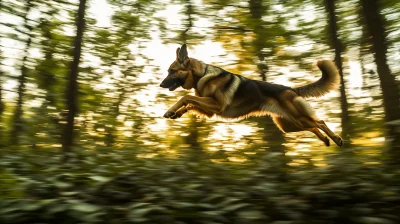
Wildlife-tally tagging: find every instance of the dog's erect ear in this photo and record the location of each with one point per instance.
(177, 53)
(182, 54)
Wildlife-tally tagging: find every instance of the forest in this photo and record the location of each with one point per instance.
(82, 133)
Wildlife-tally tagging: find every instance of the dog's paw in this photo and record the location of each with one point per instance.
(327, 142)
(169, 114)
(338, 140)
(175, 116)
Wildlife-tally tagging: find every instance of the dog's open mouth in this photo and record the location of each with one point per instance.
(171, 83)
(173, 87)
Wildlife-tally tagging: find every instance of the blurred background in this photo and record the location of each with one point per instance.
(82, 137)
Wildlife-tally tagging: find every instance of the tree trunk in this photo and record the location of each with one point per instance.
(1, 92)
(17, 125)
(192, 139)
(337, 45)
(49, 77)
(49, 80)
(377, 33)
(72, 91)
(111, 137)
(272, 135)
(1, 101)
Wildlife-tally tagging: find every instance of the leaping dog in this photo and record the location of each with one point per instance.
(231, 96)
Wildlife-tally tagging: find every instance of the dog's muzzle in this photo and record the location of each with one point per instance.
(171, 84)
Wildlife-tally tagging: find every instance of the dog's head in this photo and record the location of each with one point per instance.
(182, 71)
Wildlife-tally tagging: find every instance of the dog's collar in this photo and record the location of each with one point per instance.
(210, 72)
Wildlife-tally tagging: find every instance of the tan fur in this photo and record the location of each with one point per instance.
(188, 81)
(272, 107)
(211, 74)
(304, 107)
(285, 125)
(198, 68)
(329, 81)
(212, 85)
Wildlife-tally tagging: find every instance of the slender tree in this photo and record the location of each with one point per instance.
(1, 99)
(50, 73)
(49, 78)
(272, 134)
(192, 139)
(17, 125)
(375, 27)
(72, 91)
(1, 91)
(337, 45)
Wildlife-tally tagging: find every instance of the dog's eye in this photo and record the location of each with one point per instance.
(171, 71)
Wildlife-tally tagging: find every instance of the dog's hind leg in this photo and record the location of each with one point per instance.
(285, 125)
(336, 138)
(311, 121)
(288, 126)
(320, 135)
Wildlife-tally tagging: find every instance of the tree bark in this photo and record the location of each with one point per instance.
(49, 77)
(1, 94)
(17, 125)
(49, 81)
(338, 46)
(390, 92)
(1, 101)
(72, 91)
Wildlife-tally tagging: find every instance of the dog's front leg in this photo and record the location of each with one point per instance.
(182, 111)
(188, 102)
(178, 105)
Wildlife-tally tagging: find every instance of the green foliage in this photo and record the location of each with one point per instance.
(160, 190)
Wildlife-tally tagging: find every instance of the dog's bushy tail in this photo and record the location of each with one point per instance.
(329, 81)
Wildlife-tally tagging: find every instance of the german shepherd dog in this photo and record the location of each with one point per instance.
(230, 96)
